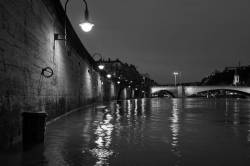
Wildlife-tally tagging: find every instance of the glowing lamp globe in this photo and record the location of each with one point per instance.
(101, 67)
(86, 26)
(108, 75)
(175, 73)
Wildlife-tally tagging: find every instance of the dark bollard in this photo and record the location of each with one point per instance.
(33, 128)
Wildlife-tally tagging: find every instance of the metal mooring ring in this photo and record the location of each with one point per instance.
(47, 72)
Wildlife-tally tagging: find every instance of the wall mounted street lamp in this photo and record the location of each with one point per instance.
(85, 26)
(100, 66)
(175, 75)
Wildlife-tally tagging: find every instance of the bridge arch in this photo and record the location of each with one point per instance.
(223, 92)
(192, 90)
(172, 90)
(160, 93)
(183, 91)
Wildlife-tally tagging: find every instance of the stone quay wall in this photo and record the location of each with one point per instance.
(27, 46)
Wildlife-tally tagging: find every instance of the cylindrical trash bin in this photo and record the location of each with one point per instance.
(33, 128)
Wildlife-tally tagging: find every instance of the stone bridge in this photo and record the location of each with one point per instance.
(185, 91)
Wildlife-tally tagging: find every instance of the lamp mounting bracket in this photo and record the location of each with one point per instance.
(59, 36)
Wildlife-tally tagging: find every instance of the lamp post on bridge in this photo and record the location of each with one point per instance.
(175, 75)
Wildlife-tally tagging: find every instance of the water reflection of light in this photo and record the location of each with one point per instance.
(143, 106)
(103, 141)
(136, 106)
(117, 119)
(226, 112)
(174, 123)
(236, 110)
(117, 112)
(129, 109)
(175, 127)
(248, 122)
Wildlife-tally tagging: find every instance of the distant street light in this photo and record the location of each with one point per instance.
(175, 75)
(108, 75)
(100, 66)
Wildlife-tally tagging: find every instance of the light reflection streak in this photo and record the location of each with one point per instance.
(117, 119)
(136, 106)
(175, 127)
(235, 117)
(226, 112)
(143, 107)
(103, 141)
(117, 113)
(129, 109)
(248, 122)
(236, 110)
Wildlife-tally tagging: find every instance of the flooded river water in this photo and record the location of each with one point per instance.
(148, 132)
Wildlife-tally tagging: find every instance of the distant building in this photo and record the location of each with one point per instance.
(238, 75)
(236, 80)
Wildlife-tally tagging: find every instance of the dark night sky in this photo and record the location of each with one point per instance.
(194, 37)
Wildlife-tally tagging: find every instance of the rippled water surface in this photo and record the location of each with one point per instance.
(150, 132)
